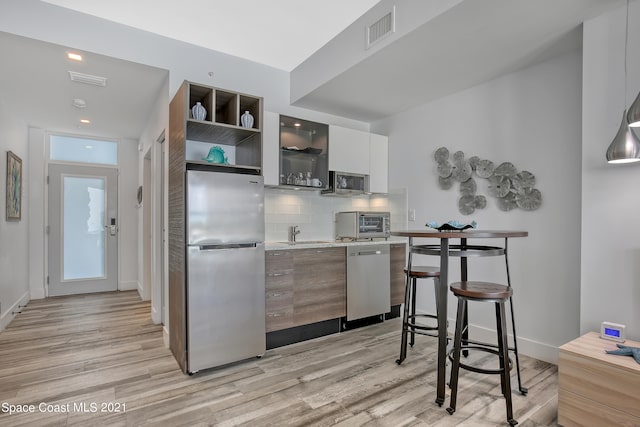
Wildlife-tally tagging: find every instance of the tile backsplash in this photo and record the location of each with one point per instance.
(315, 214)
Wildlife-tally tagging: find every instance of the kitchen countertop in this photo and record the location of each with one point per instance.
(270, 246)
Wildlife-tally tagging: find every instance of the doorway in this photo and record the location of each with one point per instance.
(83, 229)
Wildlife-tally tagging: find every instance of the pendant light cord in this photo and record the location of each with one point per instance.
(626, 41)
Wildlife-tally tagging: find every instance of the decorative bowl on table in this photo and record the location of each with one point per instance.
(451, 225)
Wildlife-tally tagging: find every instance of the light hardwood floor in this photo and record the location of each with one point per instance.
(102, 349)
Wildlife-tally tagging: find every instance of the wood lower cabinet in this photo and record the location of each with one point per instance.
(305, 286)
(320, 285)
(398, 278)
(279, 290)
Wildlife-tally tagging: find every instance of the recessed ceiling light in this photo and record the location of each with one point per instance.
(85, 121)
(297, 125)
(74, 56)
(88, 147)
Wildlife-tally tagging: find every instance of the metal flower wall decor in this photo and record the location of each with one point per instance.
(512, 189)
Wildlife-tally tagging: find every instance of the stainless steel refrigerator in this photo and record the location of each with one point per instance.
(225, 268)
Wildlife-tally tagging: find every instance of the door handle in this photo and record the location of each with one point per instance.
(112, 227)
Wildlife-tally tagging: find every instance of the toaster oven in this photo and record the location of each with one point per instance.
(363, 225)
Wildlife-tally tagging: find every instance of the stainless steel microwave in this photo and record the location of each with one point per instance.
(344, 183)
(363, 225)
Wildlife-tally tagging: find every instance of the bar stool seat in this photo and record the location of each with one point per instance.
(421, 271)
(482, 292)
(409, 323)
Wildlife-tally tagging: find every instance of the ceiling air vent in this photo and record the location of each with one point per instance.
(382, 28)
(87, 79)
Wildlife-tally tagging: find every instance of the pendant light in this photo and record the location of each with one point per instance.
(625, 147)
(633, 117)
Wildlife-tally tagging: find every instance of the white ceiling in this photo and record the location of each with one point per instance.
(36, 81)
(474, 41)
(279, 33)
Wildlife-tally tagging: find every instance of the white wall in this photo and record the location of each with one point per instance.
(610, 196)
(155, 127)
(37, 220)
(128, 215)
(14, 241)
(530, 118)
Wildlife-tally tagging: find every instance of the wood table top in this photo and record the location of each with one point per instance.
(470, 233)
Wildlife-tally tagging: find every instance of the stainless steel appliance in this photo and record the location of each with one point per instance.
(225, 268)
(368, 281)
(345, 184)
(363, 225)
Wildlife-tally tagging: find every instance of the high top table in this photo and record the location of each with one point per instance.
(462, 250)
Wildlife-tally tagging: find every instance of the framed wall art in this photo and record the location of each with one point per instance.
(14, 187)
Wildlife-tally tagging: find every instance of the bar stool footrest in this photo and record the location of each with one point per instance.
(486, 349)
(415, 325)
(484, 344)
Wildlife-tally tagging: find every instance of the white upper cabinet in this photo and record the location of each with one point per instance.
(361, 152)
(271, 148)
(348, 150)
(378, 163)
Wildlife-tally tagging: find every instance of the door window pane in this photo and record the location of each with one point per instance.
(71, 149)
(83, 228)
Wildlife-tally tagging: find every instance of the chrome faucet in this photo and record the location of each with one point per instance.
(294, 230)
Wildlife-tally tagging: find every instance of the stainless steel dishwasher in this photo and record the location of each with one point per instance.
(368, 281)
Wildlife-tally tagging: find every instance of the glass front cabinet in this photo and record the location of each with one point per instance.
(303, 153)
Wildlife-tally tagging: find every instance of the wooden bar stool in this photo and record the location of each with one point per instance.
(409, 324)
(482, 292)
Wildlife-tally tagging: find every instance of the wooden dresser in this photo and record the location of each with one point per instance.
(595, 388)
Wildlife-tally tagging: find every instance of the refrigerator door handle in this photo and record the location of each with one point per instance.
(228, 246)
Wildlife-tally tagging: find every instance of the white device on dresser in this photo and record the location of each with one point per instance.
(612, 331)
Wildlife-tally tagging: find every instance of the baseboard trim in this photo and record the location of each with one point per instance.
(526, 346)
(128, 286)
(302, 333)
(165, 336)
(155, 316)
(38, 293)
(9, 315)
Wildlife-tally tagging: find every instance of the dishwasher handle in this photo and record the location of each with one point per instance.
(366, 253)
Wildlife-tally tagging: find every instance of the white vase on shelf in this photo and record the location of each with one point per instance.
(246, 120)
(198, 111)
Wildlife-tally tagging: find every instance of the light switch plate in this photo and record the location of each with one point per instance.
(612, 331)
(412, 214)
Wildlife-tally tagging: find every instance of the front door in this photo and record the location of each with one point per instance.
(83, 229)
